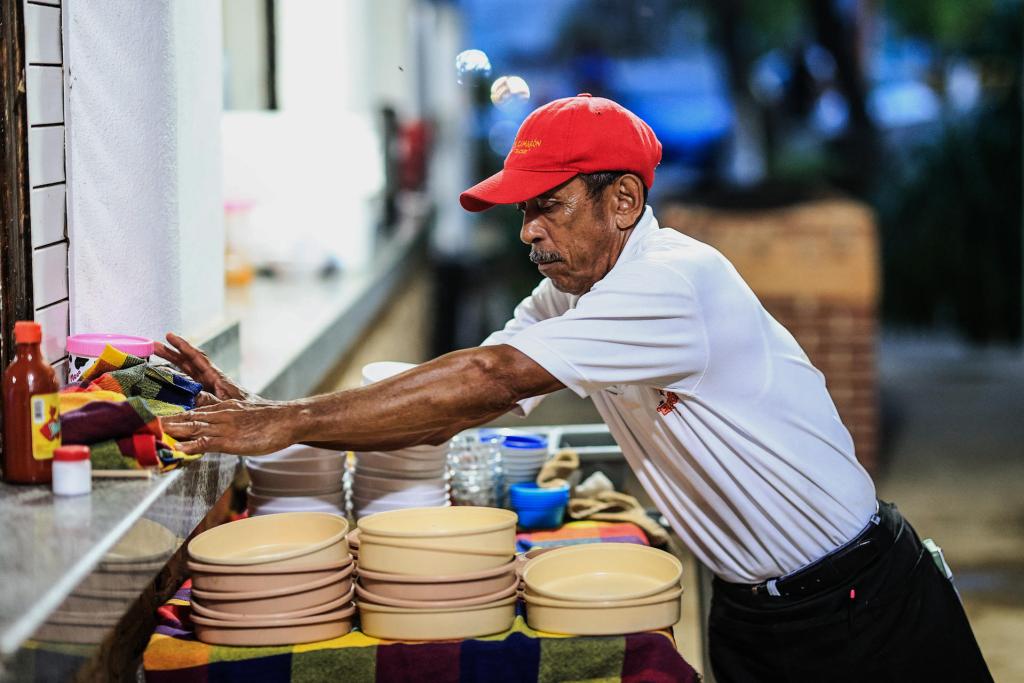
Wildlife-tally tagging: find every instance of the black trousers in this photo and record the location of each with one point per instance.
(903, 624)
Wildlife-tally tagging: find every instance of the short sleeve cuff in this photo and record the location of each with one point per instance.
(544, 356)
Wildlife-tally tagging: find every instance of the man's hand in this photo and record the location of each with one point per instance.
(197, 365)
(233, 426)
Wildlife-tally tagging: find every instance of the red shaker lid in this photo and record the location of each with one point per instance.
(71, 453)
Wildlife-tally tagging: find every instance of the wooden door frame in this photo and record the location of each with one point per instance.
(15, 222)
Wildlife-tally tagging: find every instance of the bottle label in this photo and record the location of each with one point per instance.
(45, 426)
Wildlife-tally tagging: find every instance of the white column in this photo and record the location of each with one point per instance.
(143, 167)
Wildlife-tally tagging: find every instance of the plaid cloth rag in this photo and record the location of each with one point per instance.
(116, 413)
(132, 376)
(519, 654)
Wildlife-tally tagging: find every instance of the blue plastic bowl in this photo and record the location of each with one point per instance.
(529, 493)
(523, 441)
(540, 518)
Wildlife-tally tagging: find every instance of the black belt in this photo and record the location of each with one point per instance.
(833, 569)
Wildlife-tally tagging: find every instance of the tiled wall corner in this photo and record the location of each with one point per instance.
(44, 76)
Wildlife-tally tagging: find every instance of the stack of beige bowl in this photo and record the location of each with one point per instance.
(602, 589)
(272, 580)
(297, 479)
(100, 600)
(437, 573)
(395, 480)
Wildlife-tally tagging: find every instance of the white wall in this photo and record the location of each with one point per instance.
(144, 197)
(313, 167)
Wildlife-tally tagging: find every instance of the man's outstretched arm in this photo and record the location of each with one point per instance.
(427, 404)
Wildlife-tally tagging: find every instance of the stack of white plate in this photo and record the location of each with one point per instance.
(395, 480)
(408, 478)
(522, 456)
(297, 479)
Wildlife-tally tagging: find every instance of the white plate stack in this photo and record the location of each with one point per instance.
(522, 456)
(410, 478)
(395, 480)
(297, 479)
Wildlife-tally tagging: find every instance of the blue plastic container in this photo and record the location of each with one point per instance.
(541, 518)
(538, 508)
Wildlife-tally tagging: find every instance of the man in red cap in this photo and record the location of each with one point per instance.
(722, 417)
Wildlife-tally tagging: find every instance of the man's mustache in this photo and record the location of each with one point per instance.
(541, 257)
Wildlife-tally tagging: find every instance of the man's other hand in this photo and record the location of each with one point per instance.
(197, 365)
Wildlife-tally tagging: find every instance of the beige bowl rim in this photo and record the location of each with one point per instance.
(274, 623)
(664, 596)
(367, 596)
(275, 592)
(368, 523)
(507, 568)
(373, 607)
(277, 557)
(333, 605)
(204, 568)
(370, 539)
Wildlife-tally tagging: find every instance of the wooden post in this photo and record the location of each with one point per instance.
(15, 227)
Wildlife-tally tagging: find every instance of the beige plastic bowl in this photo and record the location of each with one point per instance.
(602, 571)
(145, 541)
(403, 557)
(260, 632)
(92, 601)
(333, 605)
(214, 577)
(287, 599)
(265, 479)
(397, 623)
(122, 576)
(288, 539)
(368, 596)
(473, 528)
(396, 463)
(603, 618)
(451, 587)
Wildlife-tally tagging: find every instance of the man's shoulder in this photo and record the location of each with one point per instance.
(688, 257)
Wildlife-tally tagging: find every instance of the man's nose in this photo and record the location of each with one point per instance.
(531, 232)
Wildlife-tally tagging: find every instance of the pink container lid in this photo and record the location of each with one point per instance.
(92, 345)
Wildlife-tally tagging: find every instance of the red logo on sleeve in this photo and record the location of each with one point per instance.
(668, 403)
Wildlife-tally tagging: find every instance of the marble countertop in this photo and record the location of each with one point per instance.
(50, 543)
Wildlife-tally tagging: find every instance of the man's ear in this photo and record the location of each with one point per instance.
(629, 201)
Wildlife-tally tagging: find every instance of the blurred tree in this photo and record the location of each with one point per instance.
(949, 23)
(952, 222)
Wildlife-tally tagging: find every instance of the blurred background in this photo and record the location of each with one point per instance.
(858, 160)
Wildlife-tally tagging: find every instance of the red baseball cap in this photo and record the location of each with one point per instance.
(573, 135)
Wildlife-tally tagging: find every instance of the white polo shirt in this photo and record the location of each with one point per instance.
(717, 409)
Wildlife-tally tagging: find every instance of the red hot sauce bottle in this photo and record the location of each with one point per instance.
(31, 410)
